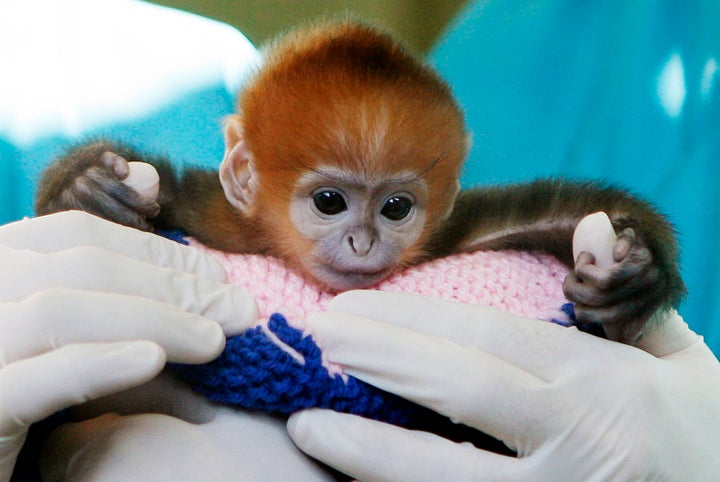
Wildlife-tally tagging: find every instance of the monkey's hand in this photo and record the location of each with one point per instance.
(98, 179)
(616, 281)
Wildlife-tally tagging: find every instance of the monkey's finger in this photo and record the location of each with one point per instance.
(103, 206)
(115, 163)
(596, 286)
(625, 310)
(608, 314)
(115, 201)
(70, 229)
(633, 268)
(579, 290)
(625, 241)
(611, 277)
(65, 317)
(620, 323)
(34, 388)
(93, 269)
(121, 191)
(586, 270)
(585, 257)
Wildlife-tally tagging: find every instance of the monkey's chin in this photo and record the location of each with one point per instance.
(339, 280)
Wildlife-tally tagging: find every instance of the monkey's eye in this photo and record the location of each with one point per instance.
(397, 208)
(329, 202)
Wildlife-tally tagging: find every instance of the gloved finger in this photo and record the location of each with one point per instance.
(495, 331)
(34, 388)
(166, 394)
(60, 317)
(69, 229)
(371, 450)
(94, 269)
(70, 443)
(452, 379)
(149, 447)
(667, 334)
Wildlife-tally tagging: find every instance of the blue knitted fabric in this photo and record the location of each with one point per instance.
(254, 373)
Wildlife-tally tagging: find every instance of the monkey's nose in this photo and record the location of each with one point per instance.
(360, 243)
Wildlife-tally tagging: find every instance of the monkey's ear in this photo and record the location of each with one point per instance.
(451, 204)
(235, 169)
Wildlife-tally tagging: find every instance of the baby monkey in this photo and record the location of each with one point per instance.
(343, 160)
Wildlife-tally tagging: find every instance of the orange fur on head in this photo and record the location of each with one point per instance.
(344, 94)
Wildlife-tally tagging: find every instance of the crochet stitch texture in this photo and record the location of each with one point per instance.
(254, 372)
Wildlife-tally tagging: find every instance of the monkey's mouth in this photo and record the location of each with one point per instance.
(338, 279)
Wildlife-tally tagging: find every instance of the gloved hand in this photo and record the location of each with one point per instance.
(233, 446)
(573, 406)
(89, 308)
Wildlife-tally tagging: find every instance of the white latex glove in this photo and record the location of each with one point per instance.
(573, 406)
(232, 446)
(88, 308)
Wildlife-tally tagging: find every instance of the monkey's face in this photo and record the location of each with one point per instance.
(358, 229)
(354, 147)
(361, 183)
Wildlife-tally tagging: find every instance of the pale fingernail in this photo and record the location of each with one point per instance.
(209, 337)
(245, 312)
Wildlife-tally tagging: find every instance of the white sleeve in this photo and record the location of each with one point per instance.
(72, 66)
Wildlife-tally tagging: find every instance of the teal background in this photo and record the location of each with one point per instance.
(187, 130)
(624, 91)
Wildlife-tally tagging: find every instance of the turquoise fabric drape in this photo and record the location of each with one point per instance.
(625, 91)
(188, 131)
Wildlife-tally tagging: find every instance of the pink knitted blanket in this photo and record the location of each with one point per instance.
(523, 283)
(277, 367)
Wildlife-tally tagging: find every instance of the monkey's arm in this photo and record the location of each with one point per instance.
(542, 216)
(90, 178)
